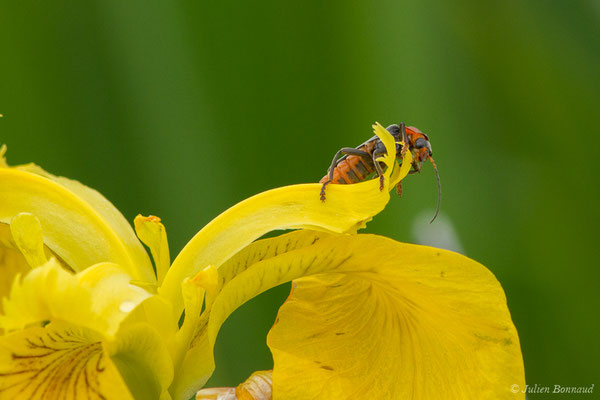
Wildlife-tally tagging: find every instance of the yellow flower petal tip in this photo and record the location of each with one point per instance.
(393, 174)
(208, 279)
(388, 141)
(27, 234)
(149, 218)
(153, 234)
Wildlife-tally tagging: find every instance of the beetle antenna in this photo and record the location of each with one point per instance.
(437, 175)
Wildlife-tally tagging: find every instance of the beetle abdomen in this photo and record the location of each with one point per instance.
(352, 169)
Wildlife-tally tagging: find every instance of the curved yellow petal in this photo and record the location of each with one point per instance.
(396, 321)
(346, 209)
(98, 298)
(198, 363)
(59, 361)
(379, 319)
(109, 214)
(79, 225)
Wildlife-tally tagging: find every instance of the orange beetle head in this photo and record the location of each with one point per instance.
(419, 144)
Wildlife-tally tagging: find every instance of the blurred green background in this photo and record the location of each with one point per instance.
(182, 109)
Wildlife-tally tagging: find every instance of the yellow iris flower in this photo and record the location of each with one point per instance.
(85, 315)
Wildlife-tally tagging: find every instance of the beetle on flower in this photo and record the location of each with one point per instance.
(84, 314)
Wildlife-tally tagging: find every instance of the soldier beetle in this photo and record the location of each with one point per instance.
(356, 164)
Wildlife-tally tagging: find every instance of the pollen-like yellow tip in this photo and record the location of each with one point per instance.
(149, 218)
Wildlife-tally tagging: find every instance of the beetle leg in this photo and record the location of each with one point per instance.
(376, 154)
(350, 151)
(404, 139)
(416, 168)
(322, 194)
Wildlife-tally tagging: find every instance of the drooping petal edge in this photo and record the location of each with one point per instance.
(438, 284)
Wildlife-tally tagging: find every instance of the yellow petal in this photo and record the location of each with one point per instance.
(396, 321)
(109, 215)
(59, 361)
(264, 249)
(346, 209)
(43, 294)
(27, 234)
(143, 360)
(152, 232)
(380, 319)
(79, 225)
(98, 298)
(112, 295)
(156, 312)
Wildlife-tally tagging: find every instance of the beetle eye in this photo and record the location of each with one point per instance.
(420, 143)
